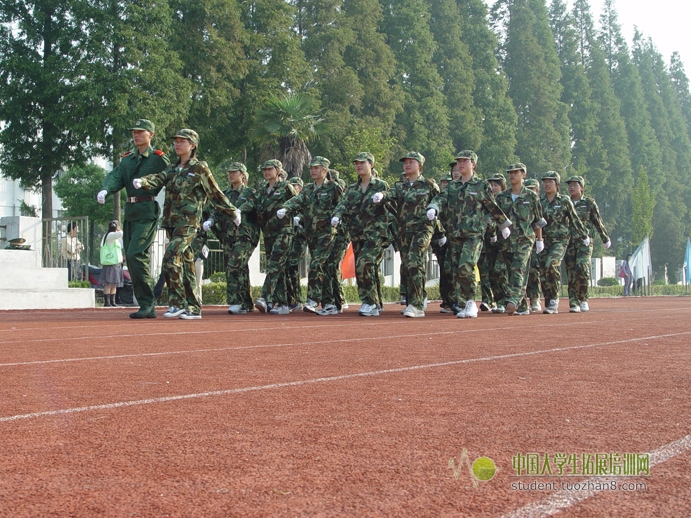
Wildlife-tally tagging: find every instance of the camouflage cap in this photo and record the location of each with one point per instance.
(296, 180)
(552, 175)
(415, 155)
(364, 156)
(334, 174)
(467, 153)
(497, 177)
(518, 166)
(237, 166)
(531, 183)
(143, 124)
(446, 178)
(272, 163)
(577, 179)
(189, 134)
(320, 160)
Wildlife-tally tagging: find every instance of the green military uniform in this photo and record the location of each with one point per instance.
(525, 212)
(316, 204)
(415, 229)
(577, 258)
(561, 218)
(141, 216)
(278, 233)
(298, 248)
(338, 251)
(188, 187)
(532, 289)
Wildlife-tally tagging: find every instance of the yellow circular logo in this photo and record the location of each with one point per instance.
(484, 468)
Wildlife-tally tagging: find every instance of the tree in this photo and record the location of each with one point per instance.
(367, 138)
(642, 209)
(292, 122)
(681, 86)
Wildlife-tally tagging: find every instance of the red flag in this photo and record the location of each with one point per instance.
(348, 264)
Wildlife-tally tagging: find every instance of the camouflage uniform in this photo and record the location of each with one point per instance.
(316, 203)
(511, 267)
(141, 215)
(187, 189)
(561, 217)
(415, 229)
(368, 225)
(532, 290)
(338, 251)
(278, 233)
(238, 245)
(577, 258)
(298, 248)
(488, 257)
(466, 207)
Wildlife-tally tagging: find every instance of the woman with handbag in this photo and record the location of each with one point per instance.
(111, 262)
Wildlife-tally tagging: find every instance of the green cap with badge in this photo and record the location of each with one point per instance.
(273, 163)
(518, 166)
(577, 179)
(143, 124)
(497, 177)
(296, 180)
(414, 155)
(467, 153)
(188, 134)
(237, 166)
(552, 175)
(364, 156)
(320, 160)
(531, 183)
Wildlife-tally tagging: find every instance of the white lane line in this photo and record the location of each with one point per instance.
(564, 499)
(324, 379)
(261, 346)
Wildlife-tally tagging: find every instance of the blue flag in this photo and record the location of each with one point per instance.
(687, 262)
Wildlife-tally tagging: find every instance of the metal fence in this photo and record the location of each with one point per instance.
(67, 243)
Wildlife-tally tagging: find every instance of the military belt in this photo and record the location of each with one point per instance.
(137, 199)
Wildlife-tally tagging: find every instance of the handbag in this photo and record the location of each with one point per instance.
(622, 274)
(111, 254)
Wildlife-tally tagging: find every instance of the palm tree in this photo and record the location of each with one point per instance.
(291, 122)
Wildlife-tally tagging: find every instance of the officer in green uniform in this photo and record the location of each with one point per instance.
(315, 204)
(467, 204)
(189, 184)
(561, 217)
(577, 258)
(298, 247)
(141, 211)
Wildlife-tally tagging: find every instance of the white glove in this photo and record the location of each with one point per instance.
(608, 244)
(442, 241)
(505, 233)
(493, 239)
(206, 226)
(378, 197)
(280, 213)
(101, 196)
(539, 245)
(238, 218)
(335, 221)
(431, 214)
(137, 182)
(296, 221)
(586, 241)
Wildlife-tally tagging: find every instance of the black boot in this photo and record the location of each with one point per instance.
(112, 301)
(106, 301)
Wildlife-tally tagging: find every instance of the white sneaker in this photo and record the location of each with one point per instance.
(261, 305)
(461, 313)
(173, 312)
(369, 310)
(279, 310)
(575, 309)
(552, 308)
(522, 313)
(329, 309)
(413, 312)
(310, 306)
(499, 309)
(584, 306)
(236, 309)
(535, 307)
(470, 309)
(191, 316)
(344, 306)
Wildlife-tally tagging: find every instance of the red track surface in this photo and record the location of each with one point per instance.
(336, 416)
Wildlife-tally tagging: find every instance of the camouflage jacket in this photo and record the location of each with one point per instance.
(187, 190)
(131, 166)
(225, 229)
(315, 205)
(589, 213)
(561, 218)
(363, 218)
(466, 207)
(525, 213)
(411, 202)
(263, 204)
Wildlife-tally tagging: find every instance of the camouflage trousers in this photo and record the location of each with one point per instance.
(322, 272)
(532, 290)
(577, 263)
(445, 280)
(368, 256)
(298, 246)
(338, 251)
(178, 266)
(511, 270)
(414, 246)
(463, 255)
(276, 247)
(550, 268)
(237, 256)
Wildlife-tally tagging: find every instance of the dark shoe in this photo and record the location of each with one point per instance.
(144, 313)
(112, 301)
(106, 301)
(484, 307)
